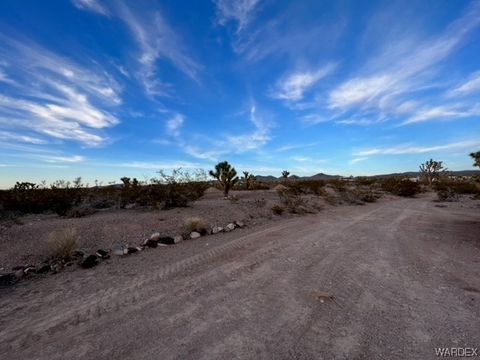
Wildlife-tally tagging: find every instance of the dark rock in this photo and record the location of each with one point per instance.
(7, 279)
(102, 254)
(167, 240)
(132, 250)
(89, 262)
(150, 243)
(18, 267)
(43, 268)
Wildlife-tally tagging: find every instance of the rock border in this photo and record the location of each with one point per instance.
(88, 261)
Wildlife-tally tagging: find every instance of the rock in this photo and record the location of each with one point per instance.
(118, 250)
(155, 236)
(18, 267)
(89, 262)
(43, 268)
(19, 274)
(217, 229)
(7, 279)
(230, 227)
(240, 224)
(177, 239)
(56, 268)
(102, 254)
(194, 235)
(79, 253)
(167, 240)
(150, 243)
(125, 251)
(139, 248)
(130, 206)
(29, 269)
(132, 250)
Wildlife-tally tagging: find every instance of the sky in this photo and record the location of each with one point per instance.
(108, 88)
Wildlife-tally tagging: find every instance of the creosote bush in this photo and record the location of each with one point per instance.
(62, 243)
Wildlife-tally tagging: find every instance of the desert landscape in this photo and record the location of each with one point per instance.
(339, 268)
(239, 179)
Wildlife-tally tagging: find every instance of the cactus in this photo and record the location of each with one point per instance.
(226, 176)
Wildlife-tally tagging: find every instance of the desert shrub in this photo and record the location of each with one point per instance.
(278, 209)
(81, 210)
(365, 181)
(369, 196)
(308, 187)
(259, 186)
(62, 243)
(31, 198)
(290, 199)
(339, 185)
(196, 224)
(447, 194)
(401, 187)
(460, 187)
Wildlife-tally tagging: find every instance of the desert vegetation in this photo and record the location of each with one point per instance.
(226, 176)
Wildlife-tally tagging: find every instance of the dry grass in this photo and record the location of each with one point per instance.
(62, 243)
(196, 224)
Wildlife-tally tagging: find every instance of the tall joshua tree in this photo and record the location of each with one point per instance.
(248, 179)
(285, 174)
(226, 176)
(476, 157)
(431, 170)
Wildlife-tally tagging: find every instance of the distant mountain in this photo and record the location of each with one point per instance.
(322, 176)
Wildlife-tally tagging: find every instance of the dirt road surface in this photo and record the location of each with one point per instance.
(405, 276)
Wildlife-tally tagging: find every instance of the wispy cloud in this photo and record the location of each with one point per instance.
(56, 97)
(92, 5)
(8, 136)
(472, 85)
(450, 112)
(174, 124)
(259, 137)
(409, 149)
(241, 12)
(63, 159)
(157, 40)
(401, 70)
(357, 160)
(293, 87)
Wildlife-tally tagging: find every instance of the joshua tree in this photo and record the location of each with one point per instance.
(431, 170)
(476, 157)
(285, 175)
(226, 176)
(248, 179)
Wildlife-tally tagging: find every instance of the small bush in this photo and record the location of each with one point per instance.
(62, 243)
(196, 224)
(401, 187)
(277, 209)
(290, 200)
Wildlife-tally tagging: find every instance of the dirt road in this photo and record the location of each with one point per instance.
(405, 276)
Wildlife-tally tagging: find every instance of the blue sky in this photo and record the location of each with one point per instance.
(109, 88)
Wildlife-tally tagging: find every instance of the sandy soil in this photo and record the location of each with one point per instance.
(404, 273)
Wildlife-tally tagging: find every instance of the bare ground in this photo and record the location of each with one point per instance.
(404, 273)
